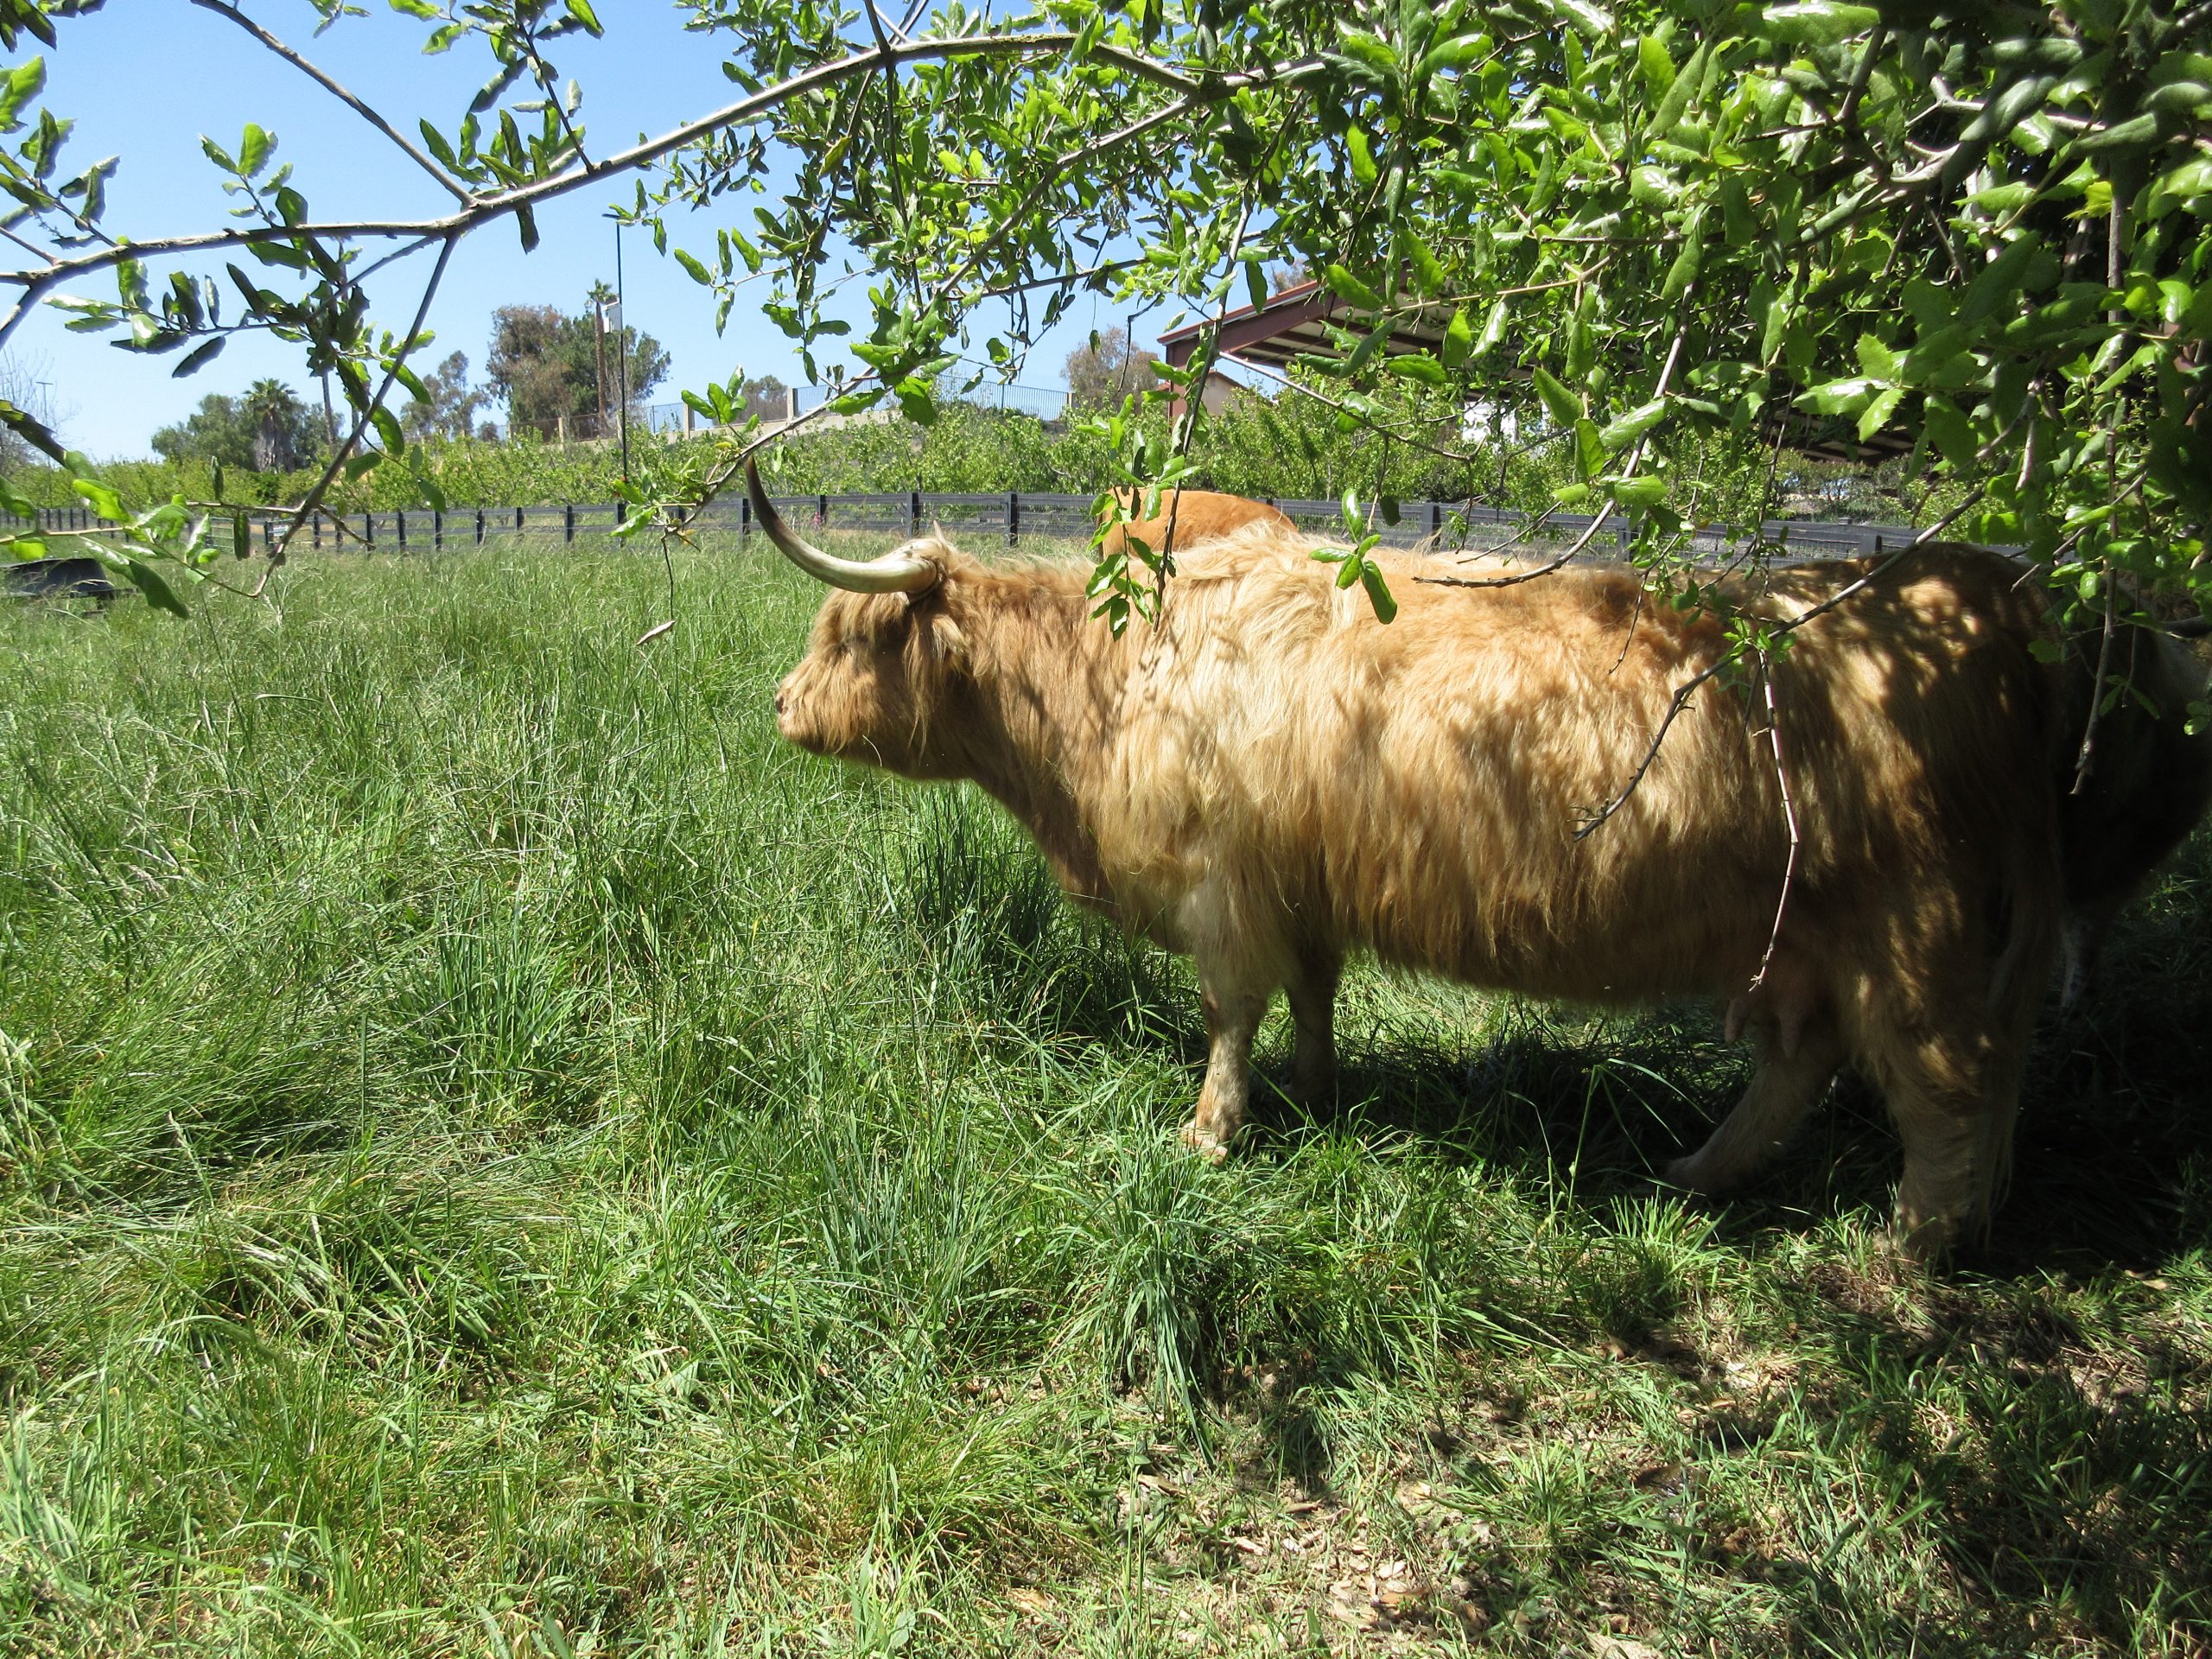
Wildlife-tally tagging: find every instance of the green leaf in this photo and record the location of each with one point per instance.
(581, 11)
(1638, 494)
(1456, 53)
(1619, 433)
(2003, 279)
(1459, 340)
(1841, 397)
(24, 83)
(1349, 288)
(1589, 449)
(1362, 158)
(1817, 23)
(526, 224)
(697, 271)
(1683, 271)
(1590, 20)
(1428, 270)
(1656, 65)
(1493, 330)
(915, 403)
(1876, 359)
(1378, 591)
(158, 593)
(388, 432)
(200, 357)
(1563, 406)
(255, 150)
(1876, 414)
(104, 501)
(1417, 366)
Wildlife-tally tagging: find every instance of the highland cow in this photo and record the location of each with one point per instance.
(1271, 778)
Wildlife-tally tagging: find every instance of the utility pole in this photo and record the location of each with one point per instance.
(621, 351)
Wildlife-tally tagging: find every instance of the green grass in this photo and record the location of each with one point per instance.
(498, 1155)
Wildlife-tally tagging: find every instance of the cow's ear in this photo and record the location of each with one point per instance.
(945, 635)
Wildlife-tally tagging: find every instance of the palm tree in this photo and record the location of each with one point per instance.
(275, 412)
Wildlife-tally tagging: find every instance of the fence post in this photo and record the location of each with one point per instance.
(400, 518)
(1013, 517)
(314, 530)
(618, 505)
(480, 526)
(1877, 543)
(369, 531)
(913, 514)
(518, 512)
(821, 512)
(1436, 518)
(437, 529)
(568, 522)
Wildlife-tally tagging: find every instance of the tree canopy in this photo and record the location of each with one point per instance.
(1980, 228)
(555, 372)
(267, 429)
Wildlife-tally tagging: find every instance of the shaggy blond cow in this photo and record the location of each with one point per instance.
(1195, 515)
(1272, 779)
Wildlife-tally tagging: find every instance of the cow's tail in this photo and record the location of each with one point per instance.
(2028, 902)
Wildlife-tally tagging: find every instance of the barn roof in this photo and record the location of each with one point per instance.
(1294, 322)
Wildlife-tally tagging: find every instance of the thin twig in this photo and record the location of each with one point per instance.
(1688, 687)
(222, 9)
(2097, 699)
(1788, 816)
(314, 497)
(1520, 576)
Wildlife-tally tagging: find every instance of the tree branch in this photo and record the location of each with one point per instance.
(483, 210)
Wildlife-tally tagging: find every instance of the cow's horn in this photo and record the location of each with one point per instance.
(894, 573)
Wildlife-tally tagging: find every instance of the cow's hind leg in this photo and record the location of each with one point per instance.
(1790, 1080)
(1313, 994)
(1949, 1066)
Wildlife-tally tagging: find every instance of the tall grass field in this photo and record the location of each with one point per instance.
(500, 1156)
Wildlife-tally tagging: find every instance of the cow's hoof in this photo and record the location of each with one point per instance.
(1686, 1174)
(1926, 1240)
(1208, 1145)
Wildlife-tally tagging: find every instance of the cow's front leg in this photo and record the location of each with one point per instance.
(1234, 1010)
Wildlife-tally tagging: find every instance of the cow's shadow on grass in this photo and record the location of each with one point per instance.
(2112, 1163)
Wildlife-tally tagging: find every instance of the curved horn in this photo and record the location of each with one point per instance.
(894, 573)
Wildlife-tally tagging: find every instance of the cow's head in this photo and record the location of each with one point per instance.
(884, 680)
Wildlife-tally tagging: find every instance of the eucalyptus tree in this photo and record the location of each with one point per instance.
(1982, 227)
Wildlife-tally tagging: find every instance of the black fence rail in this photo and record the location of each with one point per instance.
(1007, 518)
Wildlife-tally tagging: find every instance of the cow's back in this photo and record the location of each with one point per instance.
(1416, 787)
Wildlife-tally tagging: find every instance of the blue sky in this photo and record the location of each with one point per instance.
(145, 79)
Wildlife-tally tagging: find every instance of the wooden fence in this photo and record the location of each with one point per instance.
(1005, 519)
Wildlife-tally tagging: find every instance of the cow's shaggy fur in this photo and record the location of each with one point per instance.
(1272, 779)
(1190, 516)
